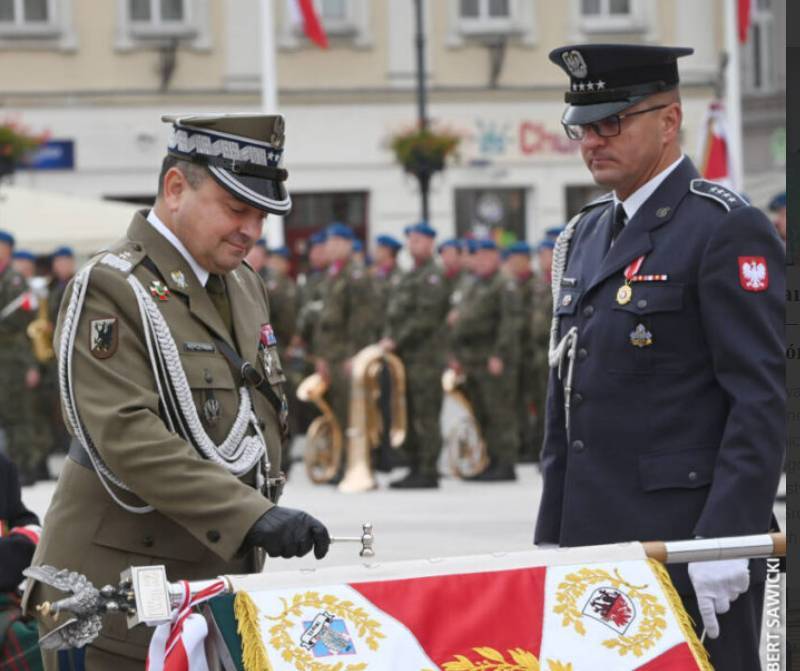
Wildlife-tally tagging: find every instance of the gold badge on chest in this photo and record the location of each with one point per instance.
(624, 294)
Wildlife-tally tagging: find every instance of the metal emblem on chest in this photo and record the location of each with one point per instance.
(641, 337)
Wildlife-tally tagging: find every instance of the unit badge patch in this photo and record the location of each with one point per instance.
(267, 337)
(612, 607)
(103, 337)
(753, 275)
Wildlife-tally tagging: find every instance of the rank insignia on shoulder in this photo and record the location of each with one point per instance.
(728, 198)
(117, 262)
(753, 275)
(267, 337)
(179, 278)
(159, 290)
(103, 337)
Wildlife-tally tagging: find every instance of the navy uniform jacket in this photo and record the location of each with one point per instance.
(15, 550)
(684, 437)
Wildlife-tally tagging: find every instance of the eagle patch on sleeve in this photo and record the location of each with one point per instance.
(753, 275)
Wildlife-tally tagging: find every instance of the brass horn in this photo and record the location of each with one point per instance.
(365, 423)
(323, 451)
(462, 441)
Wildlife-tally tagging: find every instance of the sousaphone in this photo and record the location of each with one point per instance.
(462, 442)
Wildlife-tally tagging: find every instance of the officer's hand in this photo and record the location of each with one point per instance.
(285, 532)
(321, 366)
(716, 584)
(495, 365)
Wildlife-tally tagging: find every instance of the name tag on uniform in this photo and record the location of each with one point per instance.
(198, 347)
(569, 282)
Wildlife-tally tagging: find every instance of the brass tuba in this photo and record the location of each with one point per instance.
(40, 330)
(365, 421)
(323, 451)
(462, 441)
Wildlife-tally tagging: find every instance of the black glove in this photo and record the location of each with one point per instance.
(285, 532)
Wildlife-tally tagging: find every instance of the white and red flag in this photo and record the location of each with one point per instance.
(743, 19)
(470, 614)
(714, 152)
(304, 13)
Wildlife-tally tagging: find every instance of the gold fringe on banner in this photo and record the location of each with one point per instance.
(254, 654)
(701, 655)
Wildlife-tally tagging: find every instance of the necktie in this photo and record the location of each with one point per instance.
(620, 218)
(219, 297)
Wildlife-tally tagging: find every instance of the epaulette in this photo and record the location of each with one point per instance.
(123, 256)
(605, 198)
(728, 198)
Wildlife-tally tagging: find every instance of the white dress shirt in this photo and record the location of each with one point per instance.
(633, 202)
(200, 272)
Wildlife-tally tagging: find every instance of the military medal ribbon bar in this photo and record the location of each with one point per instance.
(625, 293)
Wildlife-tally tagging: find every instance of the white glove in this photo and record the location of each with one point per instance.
(716, 584)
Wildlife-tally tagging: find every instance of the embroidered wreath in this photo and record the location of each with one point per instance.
(494, 660)
(651, 627)
(366, 628)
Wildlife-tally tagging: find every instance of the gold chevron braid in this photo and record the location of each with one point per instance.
(280, 639)
(494, 660)
(651, 627)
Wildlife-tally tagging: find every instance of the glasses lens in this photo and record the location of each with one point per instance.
(608, 127)
(574, 131)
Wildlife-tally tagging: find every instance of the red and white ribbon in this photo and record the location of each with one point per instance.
(633, 267)
(31, 531)
(179, 644)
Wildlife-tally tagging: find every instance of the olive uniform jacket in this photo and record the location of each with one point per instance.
(202, 511)
(677, 420)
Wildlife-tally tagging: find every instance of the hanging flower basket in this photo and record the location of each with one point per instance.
(16, 142)
(424, 151)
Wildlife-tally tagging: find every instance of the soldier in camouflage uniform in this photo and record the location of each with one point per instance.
(541, 318)
(385, 277)
(18, 371)
(485, 337)
(450, 254)
(518, 264)
(343, 326)
(417, 311)
(310, 292)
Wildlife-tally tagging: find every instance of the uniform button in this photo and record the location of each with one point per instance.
(148, 541)
(577, 445)
(582, 354)
(641, 303)
(207, 376)
(692, 476)
(577, 398)
(213, 535)
(588, 311)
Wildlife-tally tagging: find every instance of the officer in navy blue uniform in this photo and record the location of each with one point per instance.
(668, 422)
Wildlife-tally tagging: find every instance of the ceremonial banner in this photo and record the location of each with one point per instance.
(513, 614)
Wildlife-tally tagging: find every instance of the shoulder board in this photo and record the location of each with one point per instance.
(726, 197)
(605, 198)
(122, 257)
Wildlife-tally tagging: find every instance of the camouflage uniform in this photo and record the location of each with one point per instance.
(540, 319)
(310, 304)
(416, 316)
(16, 357)
(488, 325)
(525, 370)
(383, 285)
(343, 328)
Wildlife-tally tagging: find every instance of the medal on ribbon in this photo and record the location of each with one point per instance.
(625, 292)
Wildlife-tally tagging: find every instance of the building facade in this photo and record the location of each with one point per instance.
(98, 76)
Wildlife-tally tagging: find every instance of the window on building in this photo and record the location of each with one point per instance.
(609, 15)
(27, 17)
(312, 212)
(491, 212)
(758, 56)
(487, 16)
(160, 17)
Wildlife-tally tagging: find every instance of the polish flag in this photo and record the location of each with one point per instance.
(713, 151)
(303, 12)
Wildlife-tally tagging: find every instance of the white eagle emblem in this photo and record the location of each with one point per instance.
(753, 273)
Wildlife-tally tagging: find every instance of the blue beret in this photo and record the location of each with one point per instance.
(485, 243)
(358, 245)
(338, 230)
(519, 247)
(553, 232)
(421, 227)
(472, 245)
(388, 241)
(452, 242)
(281, 251)
(547, 244)
(7, 238)
(24, 255)
(778, 202)
(318, 238)
(63, 251)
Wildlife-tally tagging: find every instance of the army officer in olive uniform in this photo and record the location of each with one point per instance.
(172, 386)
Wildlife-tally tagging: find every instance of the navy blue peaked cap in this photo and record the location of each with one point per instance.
(608, 78)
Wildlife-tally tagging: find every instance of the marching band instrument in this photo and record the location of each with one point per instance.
(323, 451)
(462, 441)
(40, 330)
(365, 422)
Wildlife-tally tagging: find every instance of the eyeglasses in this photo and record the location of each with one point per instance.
(608, 127)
